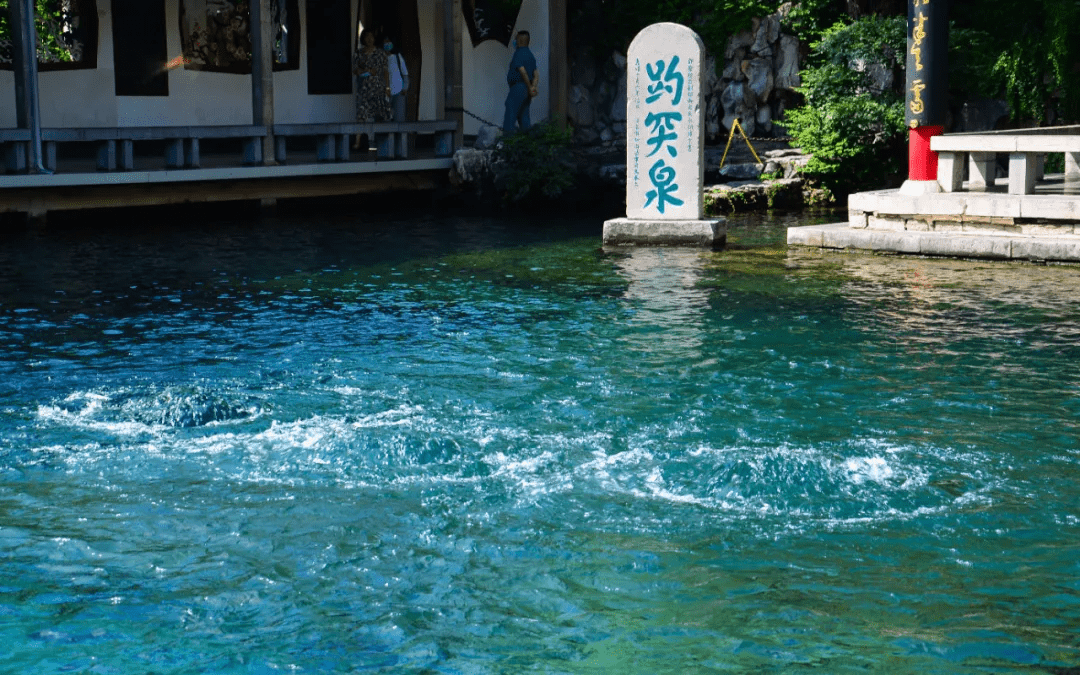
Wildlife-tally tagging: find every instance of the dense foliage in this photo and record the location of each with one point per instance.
(809, 19)
(853, 118)
(1035, 50)
(55, 21)
(853, 124)
(532, 165)
(611, 24)
(1028, 54)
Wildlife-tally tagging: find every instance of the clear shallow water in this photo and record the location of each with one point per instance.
(480, 446)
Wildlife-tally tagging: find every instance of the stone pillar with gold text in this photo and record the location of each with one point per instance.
(665, 150)
(927, 89)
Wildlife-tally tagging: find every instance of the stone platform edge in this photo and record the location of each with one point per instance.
(1001, 247)
(709, 232)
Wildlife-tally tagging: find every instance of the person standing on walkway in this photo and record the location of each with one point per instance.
(523, 78)
(370, 66)
(399, 80)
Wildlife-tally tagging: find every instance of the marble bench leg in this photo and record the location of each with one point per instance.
(444, 143)
(49, 150)
(402, 150)
(126, 154)
(343, 147)
(192, 160)
(106, 156)
(15, 156)
(1072, 164)
(982, 168)
(950, 172)
(325, 148)
(384, 145)
(1021, 173)
(253, 151)
(280, 150)
(174, 153)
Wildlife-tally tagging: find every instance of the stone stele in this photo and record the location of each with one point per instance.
(665, 151)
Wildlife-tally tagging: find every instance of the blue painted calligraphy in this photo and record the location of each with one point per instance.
(663, 179)
(660, 80)
(663, 125)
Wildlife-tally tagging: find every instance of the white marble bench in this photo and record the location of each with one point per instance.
(1026, 148)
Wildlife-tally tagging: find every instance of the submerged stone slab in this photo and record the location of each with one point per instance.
(1047, 248)
(627, 231)
(966, 245)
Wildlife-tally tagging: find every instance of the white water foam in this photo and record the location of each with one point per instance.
(82, 411)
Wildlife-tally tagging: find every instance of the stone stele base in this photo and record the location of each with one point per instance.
(630, 231)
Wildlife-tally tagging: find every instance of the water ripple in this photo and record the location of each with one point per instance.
(465, 446)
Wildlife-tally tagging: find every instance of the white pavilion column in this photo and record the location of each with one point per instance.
(27, 102)
(454, 97)
(262, 74)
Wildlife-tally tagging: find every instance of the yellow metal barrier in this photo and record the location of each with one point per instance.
(731, 135)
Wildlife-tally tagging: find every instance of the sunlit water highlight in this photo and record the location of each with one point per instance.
(327, 444)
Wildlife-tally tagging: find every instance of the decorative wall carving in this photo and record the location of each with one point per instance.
(216, 35)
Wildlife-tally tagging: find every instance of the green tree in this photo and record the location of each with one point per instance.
(852, 122)
(56, 22)
(1036, 50)
(612, 24)
(809, 19)
(533, 165)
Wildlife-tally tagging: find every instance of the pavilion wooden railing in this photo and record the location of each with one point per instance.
(1027, 149)
(333, 141)
(115, 146)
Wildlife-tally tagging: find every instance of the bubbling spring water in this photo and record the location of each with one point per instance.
(464, 445)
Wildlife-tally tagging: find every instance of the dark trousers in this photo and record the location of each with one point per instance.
(517, 108)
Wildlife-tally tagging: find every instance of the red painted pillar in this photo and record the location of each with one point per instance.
(927, 83)
(922, 161)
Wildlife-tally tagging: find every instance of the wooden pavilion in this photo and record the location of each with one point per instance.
(140, 102)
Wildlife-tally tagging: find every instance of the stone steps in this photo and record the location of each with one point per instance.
(1044, 226)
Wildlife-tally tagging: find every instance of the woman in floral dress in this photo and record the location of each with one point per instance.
(373, 80)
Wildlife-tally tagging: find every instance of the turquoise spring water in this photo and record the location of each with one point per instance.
(336, 444)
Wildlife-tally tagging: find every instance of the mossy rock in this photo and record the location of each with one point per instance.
(783, 193)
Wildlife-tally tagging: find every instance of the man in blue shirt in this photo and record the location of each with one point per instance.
(523, 78)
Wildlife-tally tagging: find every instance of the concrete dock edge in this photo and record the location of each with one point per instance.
(959, 245)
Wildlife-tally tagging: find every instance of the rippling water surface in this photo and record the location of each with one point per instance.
(334, 443)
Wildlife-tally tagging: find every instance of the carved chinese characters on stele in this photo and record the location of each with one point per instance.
(664, 123)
